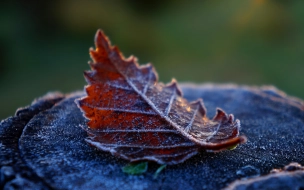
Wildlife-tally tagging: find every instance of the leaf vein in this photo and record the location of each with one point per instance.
(137, 131)
(148, 147)
(148, 83)
(121, 110)
(170, 103)
(189, 126)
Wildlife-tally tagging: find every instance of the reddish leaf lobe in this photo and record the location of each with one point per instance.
(135, 117)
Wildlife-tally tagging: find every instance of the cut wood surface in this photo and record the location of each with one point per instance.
(43, 146)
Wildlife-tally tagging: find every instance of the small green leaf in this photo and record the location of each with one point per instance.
(158, 171)
(232, 147)
(135, 168)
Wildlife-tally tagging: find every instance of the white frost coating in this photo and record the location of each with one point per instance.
(213, 133)
(175, 125)
(121, 110)
(158, 158)
(170, 103)
(188, 128)
(238, 125)
(119, 86)
(138, 131)
(142, 146)
(141, 91)
(161, 161)
(148, 83)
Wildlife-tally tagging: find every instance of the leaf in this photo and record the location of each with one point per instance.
(161, 168)
(133, 116)
(135, 168)
(232, 147)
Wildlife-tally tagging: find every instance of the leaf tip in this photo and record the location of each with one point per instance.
(99, 35)
(101, 40)
(231, 118)
(242, 139)
(220, 115)
(174, 86)
(201, 108)
(88, 76)
(132, 59)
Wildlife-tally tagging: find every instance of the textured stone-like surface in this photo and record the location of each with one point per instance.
(52, 145)
(291, 177)
(14, 172)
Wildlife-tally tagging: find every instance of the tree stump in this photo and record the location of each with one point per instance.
(43, 147)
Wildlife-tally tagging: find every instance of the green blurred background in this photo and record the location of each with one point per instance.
(44, 44)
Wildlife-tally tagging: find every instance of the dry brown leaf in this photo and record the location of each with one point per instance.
(135, 117)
